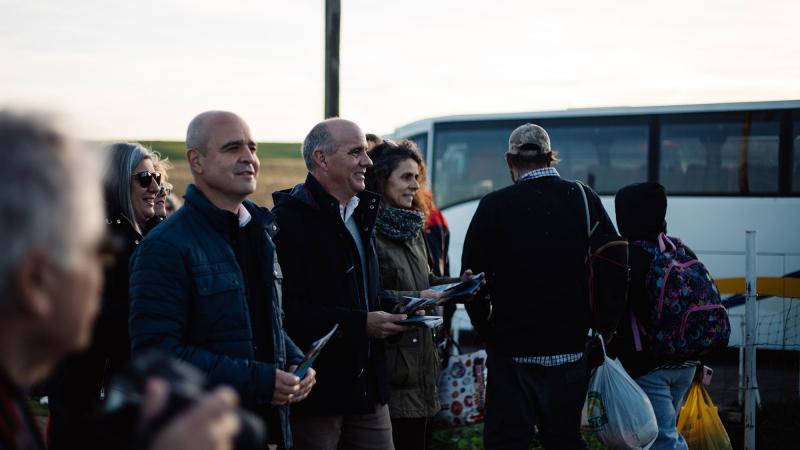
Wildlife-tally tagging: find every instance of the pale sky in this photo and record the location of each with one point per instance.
(142, 69)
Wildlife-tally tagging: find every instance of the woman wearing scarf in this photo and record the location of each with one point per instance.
(413, 364)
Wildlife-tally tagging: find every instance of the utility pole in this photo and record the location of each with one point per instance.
(751, 322)
(333, 10)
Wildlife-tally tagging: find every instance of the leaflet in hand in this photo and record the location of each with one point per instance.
(413, 304)
(313, 352)
(422, 321)
(455, 291)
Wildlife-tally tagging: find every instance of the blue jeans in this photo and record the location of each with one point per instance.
(666, 389)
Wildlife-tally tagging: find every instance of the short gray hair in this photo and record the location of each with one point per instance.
(43, 174)
(319, 137)
(122, 159)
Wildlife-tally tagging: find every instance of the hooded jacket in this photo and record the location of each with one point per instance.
(641, 209)
(323, 286)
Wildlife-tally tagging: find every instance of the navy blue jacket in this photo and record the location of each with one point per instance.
(188, 299)
(323, 286)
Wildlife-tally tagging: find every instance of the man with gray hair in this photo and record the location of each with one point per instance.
(51, 228)
(531, 240)
(206, 284)
(327, 250)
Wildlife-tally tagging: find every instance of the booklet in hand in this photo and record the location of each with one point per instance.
(454, 291)
(422, 321)
(313, 352)
(411, 305)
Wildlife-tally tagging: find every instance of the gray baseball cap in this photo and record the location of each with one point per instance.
(529, 140)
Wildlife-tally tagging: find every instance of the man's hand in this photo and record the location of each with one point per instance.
(287, 386)
(305, 384)
(381, 324)
(210, 424)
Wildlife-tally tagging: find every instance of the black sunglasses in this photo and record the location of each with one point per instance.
(165, 190)
(146, 177)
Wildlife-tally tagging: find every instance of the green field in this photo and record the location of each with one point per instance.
(175, 150)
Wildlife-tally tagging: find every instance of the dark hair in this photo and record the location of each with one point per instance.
(546, 159)
(385, 157)
(373, 140)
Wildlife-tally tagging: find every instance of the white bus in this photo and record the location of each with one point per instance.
(727, 168)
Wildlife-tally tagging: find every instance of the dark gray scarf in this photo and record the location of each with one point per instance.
(399, 224)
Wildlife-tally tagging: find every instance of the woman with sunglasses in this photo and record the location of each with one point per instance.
(413, 363)
(131, 186)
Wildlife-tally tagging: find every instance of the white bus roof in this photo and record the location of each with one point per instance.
(425, 125)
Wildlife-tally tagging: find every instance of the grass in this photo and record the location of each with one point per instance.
(175, 150)
(275, 174)
(471, 437)
(281, 167)
(36, 408)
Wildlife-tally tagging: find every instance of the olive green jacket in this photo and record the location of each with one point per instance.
(411, 357)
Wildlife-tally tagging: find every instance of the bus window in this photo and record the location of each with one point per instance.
(796, 158)
(468, 160)
(421, 141)
(735, 153)
(606, 155)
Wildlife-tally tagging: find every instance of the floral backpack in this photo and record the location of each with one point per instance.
(687, 316)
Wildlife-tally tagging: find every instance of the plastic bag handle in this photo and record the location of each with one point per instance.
(455, 346)
(706, 396)
(602, 345)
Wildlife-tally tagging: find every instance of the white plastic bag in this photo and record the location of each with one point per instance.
(617, 410)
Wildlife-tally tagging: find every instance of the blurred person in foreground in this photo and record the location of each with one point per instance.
(327, 249)
(397, 174)
(206, 285)
(51, 279)
(131, 185)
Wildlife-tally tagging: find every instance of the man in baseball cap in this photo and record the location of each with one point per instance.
(530, 239)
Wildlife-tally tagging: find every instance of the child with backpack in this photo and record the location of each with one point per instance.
(674, 314)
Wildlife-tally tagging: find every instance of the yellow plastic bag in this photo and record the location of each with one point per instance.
(699, 422)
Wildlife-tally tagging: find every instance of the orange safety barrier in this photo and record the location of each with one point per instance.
(777, 286)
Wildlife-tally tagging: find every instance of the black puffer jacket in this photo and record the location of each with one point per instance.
(188, 299)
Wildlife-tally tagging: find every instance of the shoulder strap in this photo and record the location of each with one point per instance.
(585, 208)
(589, 228)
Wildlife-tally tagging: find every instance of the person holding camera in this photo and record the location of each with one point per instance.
(130, 185)
(51, 278)
(206, 286)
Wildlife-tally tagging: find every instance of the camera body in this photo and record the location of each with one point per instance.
(123, 401)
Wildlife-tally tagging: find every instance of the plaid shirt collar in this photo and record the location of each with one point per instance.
(539, 173)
